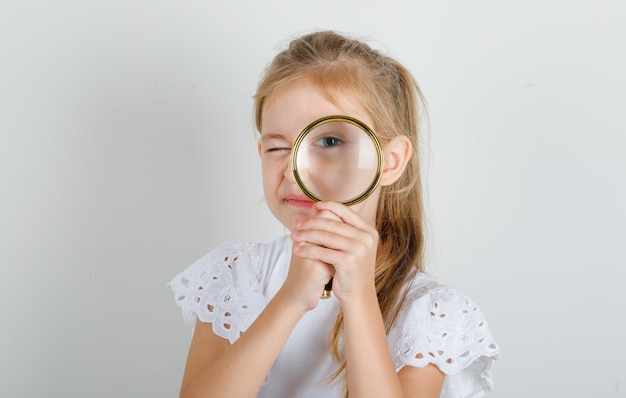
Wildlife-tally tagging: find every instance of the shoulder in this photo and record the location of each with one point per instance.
(441, 325)
(225, 287)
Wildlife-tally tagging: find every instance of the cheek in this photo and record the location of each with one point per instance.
(274, 164)
(368, 208)
(271, 171)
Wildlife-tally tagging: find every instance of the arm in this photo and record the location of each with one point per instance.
(371, 372)
(215, 368)
(349, 244)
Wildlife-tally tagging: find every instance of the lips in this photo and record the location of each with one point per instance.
(299, 201)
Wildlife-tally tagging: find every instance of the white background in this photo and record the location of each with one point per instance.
(127, 151)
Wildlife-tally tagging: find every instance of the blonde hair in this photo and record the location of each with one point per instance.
(389, 93)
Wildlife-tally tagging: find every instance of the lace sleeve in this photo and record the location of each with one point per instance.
(222, 288)
(442, 326)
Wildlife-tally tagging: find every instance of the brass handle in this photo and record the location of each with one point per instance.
(327, 289)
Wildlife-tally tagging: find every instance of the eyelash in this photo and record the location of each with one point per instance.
(329, 142)
(277, 149)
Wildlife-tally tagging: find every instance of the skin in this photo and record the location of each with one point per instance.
(329, 240)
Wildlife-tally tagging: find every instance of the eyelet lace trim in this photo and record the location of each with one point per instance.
(436, 324)
(223, 289)
(444, 327)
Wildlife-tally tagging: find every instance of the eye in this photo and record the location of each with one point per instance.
(328, 142)
(277, 149)
(275, 145)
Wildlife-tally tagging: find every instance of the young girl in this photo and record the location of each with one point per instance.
(387, 330)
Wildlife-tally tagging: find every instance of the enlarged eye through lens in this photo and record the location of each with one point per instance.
(328, 142)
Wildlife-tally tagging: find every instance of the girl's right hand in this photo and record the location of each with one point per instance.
(306, 280)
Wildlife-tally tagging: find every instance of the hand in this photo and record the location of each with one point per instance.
(306, 279)
(337, 236)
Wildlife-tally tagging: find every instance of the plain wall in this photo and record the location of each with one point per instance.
(127, 151)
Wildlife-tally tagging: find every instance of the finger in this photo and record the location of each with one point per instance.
(332, 239)
(325, 225)
(343, 213)
(357, 245)
(319, 270)
(323, 255)
(323, 213)
(331, 233)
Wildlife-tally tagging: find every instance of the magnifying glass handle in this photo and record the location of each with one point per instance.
(327, 289)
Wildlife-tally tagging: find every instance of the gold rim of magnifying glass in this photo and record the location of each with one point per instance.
(338, 118)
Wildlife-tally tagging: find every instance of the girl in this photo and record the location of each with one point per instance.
(388, 330)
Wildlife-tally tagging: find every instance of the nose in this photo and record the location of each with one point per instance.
(288, 172)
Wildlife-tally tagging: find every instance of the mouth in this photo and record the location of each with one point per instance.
(301, 201)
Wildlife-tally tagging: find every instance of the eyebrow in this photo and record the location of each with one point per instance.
(272, 136)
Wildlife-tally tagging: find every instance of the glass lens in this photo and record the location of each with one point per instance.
(337, 160)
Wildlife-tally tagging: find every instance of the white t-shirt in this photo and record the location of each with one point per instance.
(230, 286)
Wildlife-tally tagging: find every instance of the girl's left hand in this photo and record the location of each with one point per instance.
(345, 241)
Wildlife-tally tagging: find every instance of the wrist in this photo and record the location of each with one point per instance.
(291, 303)
(364, 300)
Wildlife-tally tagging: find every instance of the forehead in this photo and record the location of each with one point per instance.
(293, 108)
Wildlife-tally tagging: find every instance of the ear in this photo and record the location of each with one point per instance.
(258, 146)
(397, 153)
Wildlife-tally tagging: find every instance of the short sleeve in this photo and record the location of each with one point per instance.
(442, 326)
(222, 288)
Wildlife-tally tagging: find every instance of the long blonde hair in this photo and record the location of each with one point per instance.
(391, 96)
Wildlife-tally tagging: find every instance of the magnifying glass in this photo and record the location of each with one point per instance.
(337, 158)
